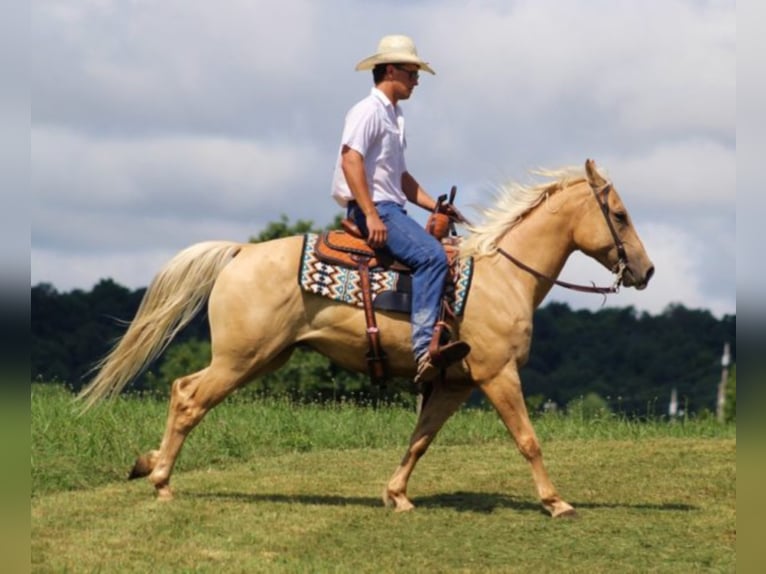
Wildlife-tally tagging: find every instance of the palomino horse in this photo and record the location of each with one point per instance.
(258, 314)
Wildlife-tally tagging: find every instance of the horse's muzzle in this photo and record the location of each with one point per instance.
(638, 281)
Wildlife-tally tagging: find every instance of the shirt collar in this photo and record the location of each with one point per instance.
(383, 98)
(394, 112)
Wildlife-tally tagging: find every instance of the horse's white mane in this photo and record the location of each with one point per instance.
(513, 201)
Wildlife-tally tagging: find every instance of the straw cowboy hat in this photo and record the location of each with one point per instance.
(395, 50)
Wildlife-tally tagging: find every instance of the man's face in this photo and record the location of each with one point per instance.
(405, 78)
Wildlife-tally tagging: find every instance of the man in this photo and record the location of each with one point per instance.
(371, 180)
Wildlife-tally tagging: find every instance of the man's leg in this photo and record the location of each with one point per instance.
(411, 244)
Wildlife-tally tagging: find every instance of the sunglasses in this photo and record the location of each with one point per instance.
(413, 74)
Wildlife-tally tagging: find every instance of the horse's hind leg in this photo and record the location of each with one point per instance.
(443, 401)
(191, 398)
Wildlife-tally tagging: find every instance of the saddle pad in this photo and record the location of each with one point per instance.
(344, 284)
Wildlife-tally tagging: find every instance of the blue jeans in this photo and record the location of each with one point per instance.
(411, 244)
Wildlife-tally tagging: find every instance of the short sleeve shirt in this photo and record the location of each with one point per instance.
(374, 127)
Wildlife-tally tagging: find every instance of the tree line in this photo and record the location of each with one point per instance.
(630, 361)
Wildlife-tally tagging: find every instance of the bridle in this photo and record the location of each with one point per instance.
(622, 261)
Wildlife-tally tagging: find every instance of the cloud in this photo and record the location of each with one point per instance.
(678, 178)
(187, 178)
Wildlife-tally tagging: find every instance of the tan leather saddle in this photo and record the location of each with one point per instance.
(346, 247)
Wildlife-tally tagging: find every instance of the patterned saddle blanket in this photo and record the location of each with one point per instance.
(391, 287)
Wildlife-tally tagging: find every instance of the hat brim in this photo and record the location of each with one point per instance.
(393, 58)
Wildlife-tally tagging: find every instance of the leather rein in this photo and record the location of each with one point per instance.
(622, 262)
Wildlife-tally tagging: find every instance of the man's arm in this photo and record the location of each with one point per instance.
(415, 193)
(352, 163)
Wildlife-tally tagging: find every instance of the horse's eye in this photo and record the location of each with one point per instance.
(621, 216)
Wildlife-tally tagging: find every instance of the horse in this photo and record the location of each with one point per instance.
(258, 314)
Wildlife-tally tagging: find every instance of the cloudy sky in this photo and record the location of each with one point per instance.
(159, 124)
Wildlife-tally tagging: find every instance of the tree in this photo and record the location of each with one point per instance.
(283, 228)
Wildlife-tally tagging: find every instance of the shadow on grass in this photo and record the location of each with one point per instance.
(479, 502)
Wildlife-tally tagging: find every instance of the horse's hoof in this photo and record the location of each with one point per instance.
(399, 501)
(565, 512)
(558, 508)
(405, 506)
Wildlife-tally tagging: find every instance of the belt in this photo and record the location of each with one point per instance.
(353, 204)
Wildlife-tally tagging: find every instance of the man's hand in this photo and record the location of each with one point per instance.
(452, 212)
(377, 234)
(352, 163)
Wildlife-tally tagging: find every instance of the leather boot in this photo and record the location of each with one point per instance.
(430, 363)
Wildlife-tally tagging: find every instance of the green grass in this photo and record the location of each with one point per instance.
(267, 486)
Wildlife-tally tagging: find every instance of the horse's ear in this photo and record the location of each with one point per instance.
(594, 177)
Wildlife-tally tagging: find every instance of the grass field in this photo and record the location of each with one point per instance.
(273, 487)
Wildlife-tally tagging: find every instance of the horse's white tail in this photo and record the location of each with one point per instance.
(174, 297)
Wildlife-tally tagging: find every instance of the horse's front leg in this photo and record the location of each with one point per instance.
(443, 401)
(504, 392)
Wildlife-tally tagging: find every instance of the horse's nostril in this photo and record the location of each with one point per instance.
(649, 273)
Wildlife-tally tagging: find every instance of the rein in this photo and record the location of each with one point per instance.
(592, 288)
(622, 262)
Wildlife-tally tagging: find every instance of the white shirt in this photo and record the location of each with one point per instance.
(374, 127)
